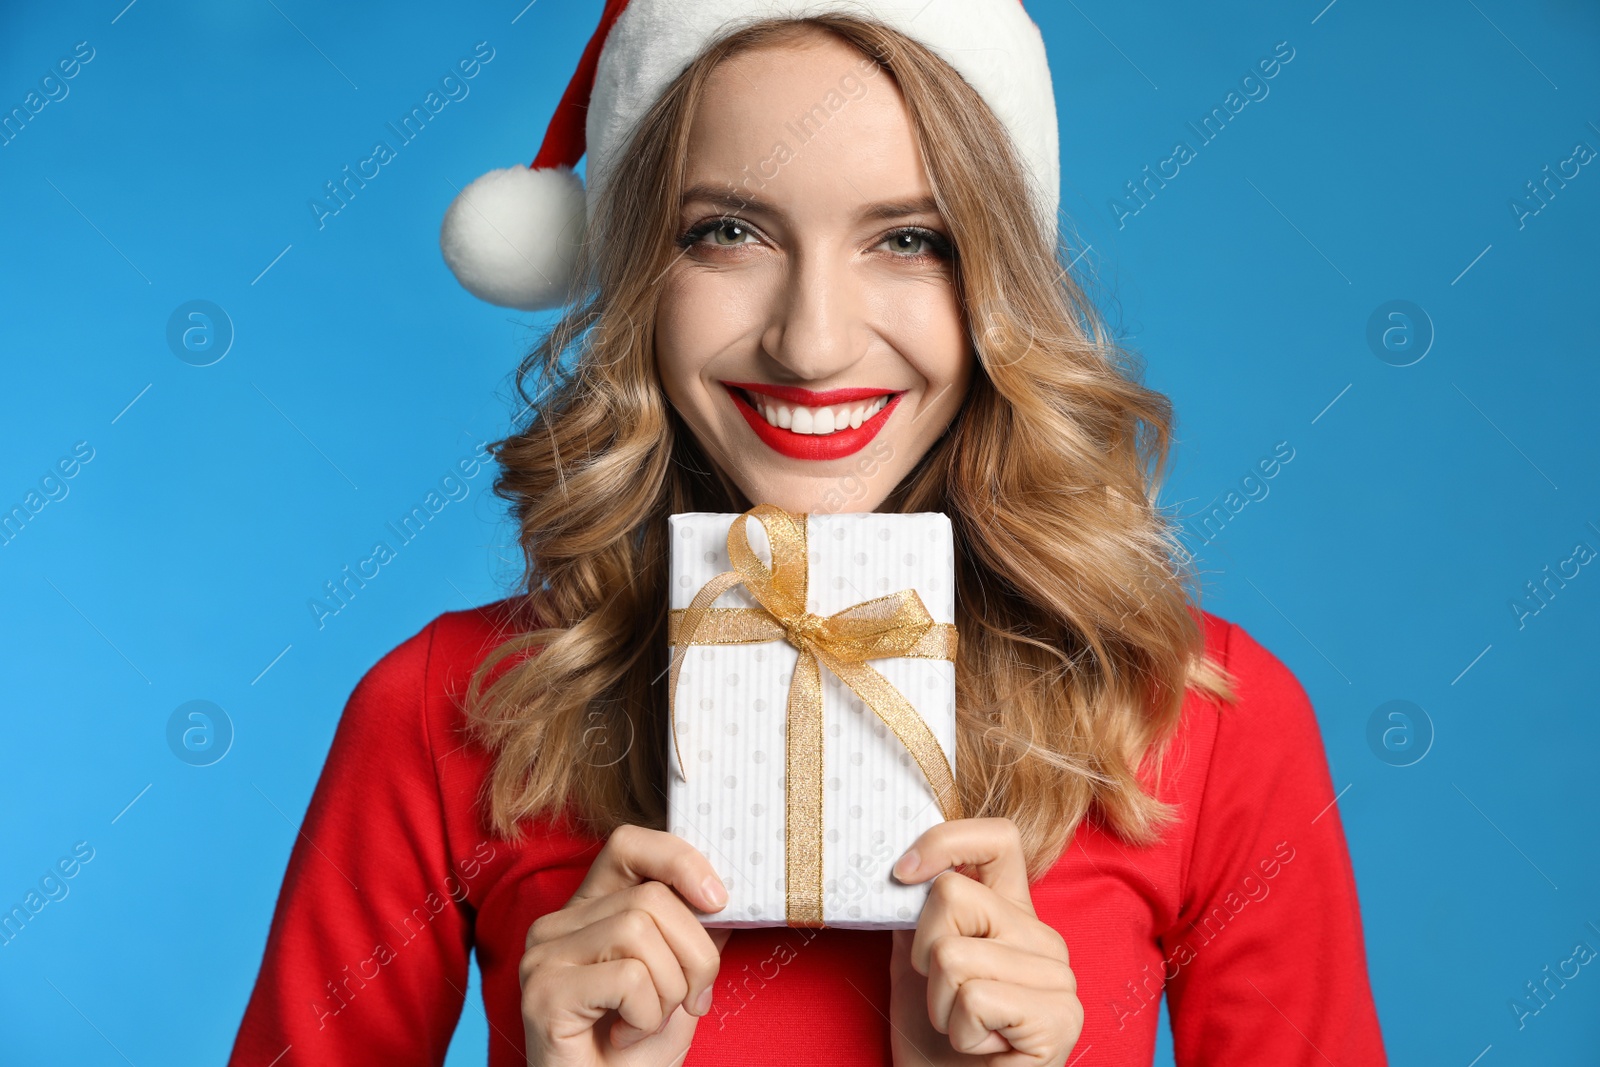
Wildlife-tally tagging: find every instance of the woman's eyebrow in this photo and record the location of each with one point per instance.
(725, 197)
(730, 199)
(893, 209)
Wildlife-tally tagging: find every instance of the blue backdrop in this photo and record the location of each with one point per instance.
(1371, 262)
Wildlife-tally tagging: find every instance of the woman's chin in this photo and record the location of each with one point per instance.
(831, 495)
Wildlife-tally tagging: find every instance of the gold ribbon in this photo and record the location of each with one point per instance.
(891, 626)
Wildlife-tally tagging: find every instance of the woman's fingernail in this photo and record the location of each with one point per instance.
(702, 1003)
(906, 866)
(712, 888)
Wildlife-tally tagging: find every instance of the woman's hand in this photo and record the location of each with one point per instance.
(622, 973)
(980, 966)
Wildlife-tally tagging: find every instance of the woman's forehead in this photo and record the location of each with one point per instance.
(802, 117)
(801, 74)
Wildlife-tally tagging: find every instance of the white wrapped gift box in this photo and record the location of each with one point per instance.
(727, 797)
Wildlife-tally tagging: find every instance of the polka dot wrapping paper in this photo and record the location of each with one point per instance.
(727, 796)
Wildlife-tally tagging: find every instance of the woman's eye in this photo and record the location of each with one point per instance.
(913, 244)
(724, 233)
(729, 232)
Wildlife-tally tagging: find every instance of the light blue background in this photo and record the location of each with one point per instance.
(1381, 566)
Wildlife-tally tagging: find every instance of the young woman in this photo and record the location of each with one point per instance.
(821, 271)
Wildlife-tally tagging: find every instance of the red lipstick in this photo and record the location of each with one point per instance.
(812, 446)
(795, 395)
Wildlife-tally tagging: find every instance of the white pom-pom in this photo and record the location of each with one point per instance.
(512, 236)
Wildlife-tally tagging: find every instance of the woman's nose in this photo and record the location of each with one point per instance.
(816, 330)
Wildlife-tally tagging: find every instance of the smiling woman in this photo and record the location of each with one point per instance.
(790, 324)
(882, 322)
(862, 267)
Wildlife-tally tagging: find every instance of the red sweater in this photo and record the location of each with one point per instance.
(1246, 913)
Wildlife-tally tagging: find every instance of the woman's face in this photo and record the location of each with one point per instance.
(808, 331)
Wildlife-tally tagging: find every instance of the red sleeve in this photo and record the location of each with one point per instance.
(366, 960)
(1268, 950)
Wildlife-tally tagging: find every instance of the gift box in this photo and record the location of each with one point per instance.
(813, 709)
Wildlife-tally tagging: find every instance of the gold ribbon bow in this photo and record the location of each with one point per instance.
(890, 626)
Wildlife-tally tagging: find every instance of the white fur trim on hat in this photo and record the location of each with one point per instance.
(992, 44)
(512, 236)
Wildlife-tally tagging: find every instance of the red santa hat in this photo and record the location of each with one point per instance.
(511, 237)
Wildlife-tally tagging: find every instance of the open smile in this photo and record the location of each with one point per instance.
(803, 424)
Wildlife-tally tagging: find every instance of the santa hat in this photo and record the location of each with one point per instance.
(511, 237)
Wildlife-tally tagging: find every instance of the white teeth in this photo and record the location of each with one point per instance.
(819, 421)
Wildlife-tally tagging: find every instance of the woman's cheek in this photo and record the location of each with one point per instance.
(922, 319)
(692, 342)
(701, 314)
(681, 347)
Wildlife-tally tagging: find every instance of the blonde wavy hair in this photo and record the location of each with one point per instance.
(1078, 639)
